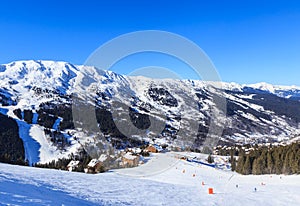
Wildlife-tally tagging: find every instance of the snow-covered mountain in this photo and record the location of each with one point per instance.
(59, 107)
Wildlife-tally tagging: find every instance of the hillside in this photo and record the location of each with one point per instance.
(60, 107)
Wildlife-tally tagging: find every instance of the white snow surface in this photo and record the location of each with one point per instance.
(179, 184)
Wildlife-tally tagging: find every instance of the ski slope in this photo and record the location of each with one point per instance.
(163, 180)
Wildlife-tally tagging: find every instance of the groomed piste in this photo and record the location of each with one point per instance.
(163, 180)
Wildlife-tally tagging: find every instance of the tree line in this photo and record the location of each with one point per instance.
(11, 145)
(62, 163)
(283, 159)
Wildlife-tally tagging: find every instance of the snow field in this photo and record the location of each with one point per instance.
(178, 183)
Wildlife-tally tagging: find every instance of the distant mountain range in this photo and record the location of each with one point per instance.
(42, 97)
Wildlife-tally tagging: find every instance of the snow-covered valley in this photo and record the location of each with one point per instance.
(37, 95)
(181, 183)
(41, 121)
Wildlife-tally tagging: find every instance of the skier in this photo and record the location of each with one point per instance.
(255, 189)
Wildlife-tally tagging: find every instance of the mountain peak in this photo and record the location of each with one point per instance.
(42, 74)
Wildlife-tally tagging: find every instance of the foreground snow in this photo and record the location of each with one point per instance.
(163, 180)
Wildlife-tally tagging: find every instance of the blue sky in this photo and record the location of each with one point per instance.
(248, 42)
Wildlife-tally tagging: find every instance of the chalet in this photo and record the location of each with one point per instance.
(72, 165)
(94, 166)
(151, 148)
(130, 160)
(154, 148)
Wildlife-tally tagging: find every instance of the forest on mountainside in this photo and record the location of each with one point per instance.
(258, 160)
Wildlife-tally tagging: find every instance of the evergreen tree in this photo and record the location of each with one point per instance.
(278, 162)
(233, 163)
(258, 166)
(210, 159)
(247, 166)
(286, 166)
(255, 168)
(241, 162)
(270, 163)
(263, 160)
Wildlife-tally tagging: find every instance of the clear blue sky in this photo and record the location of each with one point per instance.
(248, 41)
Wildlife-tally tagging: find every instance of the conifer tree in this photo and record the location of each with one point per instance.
(247, 166)
(240, 162)
(270, 163)
(232, 161)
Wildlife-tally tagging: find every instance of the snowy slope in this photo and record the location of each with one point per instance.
(183, 111)
(180, 184)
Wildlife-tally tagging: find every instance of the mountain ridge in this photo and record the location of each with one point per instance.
(264, 86)
(130, 110)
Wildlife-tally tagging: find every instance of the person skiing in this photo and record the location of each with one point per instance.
(255, 189)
